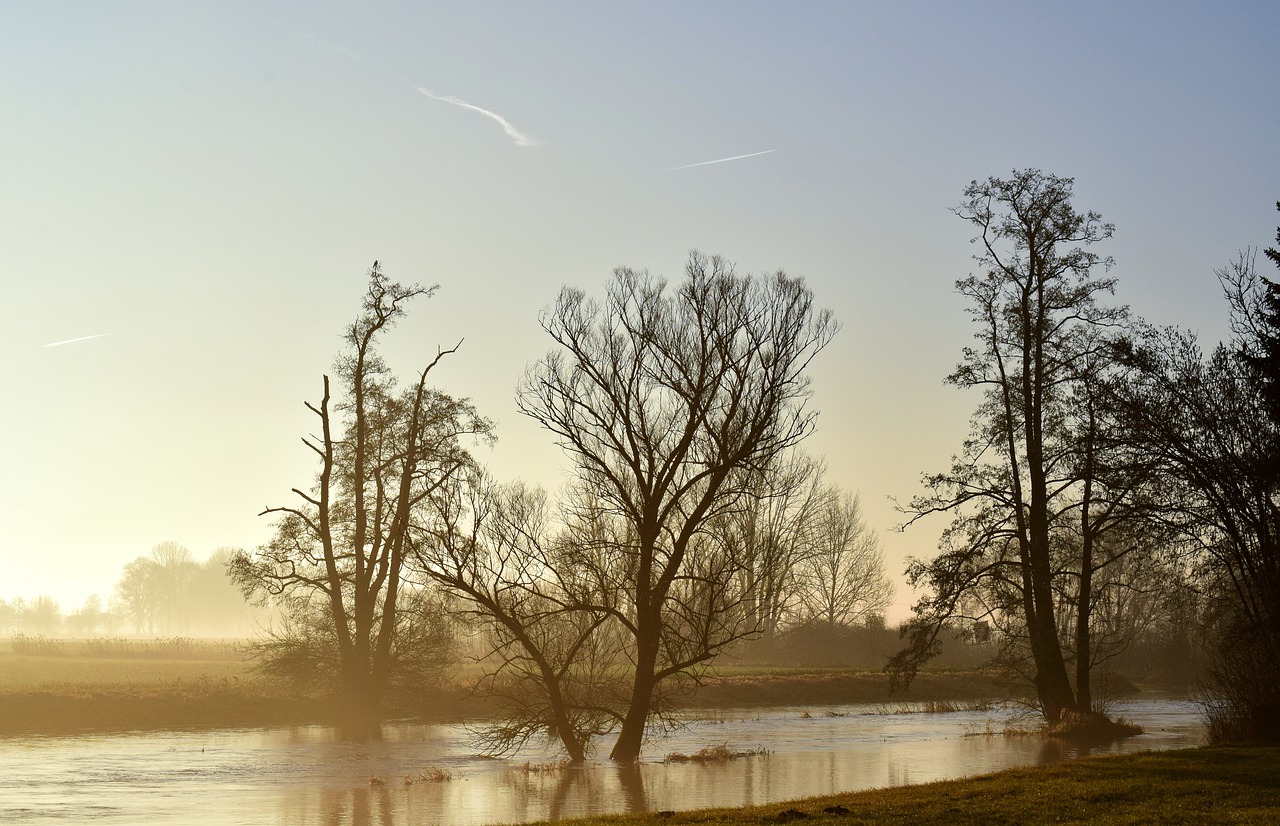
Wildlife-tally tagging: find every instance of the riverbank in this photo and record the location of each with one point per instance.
(1186, 786)
(60, 688)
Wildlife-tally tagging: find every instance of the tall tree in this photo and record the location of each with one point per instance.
(338, 555)
(668, 402)
(173, 577)
(137, 595)
(1036, 309)
(1256, 323)
(43, 616)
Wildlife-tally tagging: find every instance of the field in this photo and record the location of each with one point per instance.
(1184, 786)
(58, 686)
(33, 664)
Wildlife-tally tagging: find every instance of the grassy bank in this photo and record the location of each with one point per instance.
(60, 686)
(1185, 786)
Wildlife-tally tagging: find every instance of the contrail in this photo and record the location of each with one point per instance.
(520, 138)
(719, 160)
(73, 340)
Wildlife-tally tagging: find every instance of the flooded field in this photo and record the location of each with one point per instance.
(310, 774)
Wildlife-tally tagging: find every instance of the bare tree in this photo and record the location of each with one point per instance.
(546, 663)
(10, 614)
(338, 555)
(86, 619)
(43, 616)
(217, 606)
(773, 532)
(1205, 421)
(842, 581)
(173, 576)
(1037, 316)
(669, 402)
(137, 596)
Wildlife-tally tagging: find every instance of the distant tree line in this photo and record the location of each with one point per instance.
(168, 593)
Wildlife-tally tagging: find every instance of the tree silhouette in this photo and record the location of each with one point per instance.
(337, 558)
(1038, 328)
(669, 402)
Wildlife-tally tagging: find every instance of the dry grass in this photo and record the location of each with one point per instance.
(549, 767)
(111, 684)
(19, 673)
(431, 774)
(1091, 727)
(163, 648)
(713, 754)
(938, 707)
(1087, 728)
(40, 664)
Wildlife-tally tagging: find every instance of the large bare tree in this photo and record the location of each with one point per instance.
(669, 401)
(337, 557)
(1037, 320)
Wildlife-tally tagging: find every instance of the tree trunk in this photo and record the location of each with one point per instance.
(1084, 600)
(1084, 656)
(631, 737)
(1052, 683)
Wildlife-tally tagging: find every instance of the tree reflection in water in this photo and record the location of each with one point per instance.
(318, 774)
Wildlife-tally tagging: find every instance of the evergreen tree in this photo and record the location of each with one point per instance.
(1264, 357)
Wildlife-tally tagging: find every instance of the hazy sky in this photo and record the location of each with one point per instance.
(202, 186)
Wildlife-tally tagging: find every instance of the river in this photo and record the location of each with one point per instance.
(310, 774)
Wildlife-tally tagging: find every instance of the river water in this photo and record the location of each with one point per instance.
(310, 774)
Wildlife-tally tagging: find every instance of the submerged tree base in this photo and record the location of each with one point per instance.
(1091, 727)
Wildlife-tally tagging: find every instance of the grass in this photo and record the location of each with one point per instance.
(431, 774)
(1074, 726)
(549, 767)
(713, 754)
(53, 686)
(1091, 727)
(1189, 786)
(44, 664)
(163, 648)
(937, 707)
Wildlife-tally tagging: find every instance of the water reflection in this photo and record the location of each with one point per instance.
(316, 774)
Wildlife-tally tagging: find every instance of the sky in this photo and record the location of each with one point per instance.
(191, 196)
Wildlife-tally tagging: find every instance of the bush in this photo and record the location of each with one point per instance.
(301, 653)
(1240, 689)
